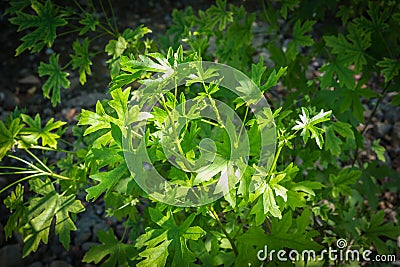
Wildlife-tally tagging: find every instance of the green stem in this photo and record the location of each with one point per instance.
(242, 126)
(13, 168)
(20, 172)
(20, 180)
(67, 65)
(51, 149)
(125, 231)
(38, 160)
(108, 31)
(68, 32)
(106, 16)
(231, 241)
(26, 162)
(213, 106)
(210, 122)
(385, 44)
(113, 16)
(178, 144)
(243, 222)
(278, 152)
(55, 175)
(381, 96)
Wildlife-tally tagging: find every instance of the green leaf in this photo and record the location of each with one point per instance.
(134, 35)
(119, 254)
(379, 150)
(15, 203)
(194, 233)
(7, 136)
(115, 48)
(377, 229)
(170, 235)
(377, 19)
(57, 79)
(218, 15)
(273, 78)
(343, 181)
(107, 181)
(147, 63)
(396, 100)
(390, 68)
(17, 5)
(46, 23)
(306, 186)
(269, 203)
(81, 59)
(288, 4)
(36, 132)
(351, 100)
(282, 236)
(96, 120)
(208, 172)
(351, 49)
(307, 125)
(101, 119)
(43, 209)
(257, 70)
(344, 13)
(332, 141)
(127, 42)
(344, 75)
(300, 38)
(249, 243)
(90, 22)
(155, 256)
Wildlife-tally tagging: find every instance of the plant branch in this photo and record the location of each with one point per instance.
(231, 241)
(381, 96)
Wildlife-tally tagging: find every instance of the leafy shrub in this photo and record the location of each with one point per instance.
(315, 190)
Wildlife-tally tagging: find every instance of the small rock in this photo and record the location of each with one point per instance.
(57, 249)
(69, 113)
(75, 254)
(82, 235)
(48, 111)
(382, 128)
(29, 79)
(99, 227)
(36, 264)
(49, 51)
(99, 209)
(11, 255)
(86, 246)
(120, 230)
(396, 133)
(392, 116)
(85, 101)
(9, 99)
(74, 83)
(60, 264)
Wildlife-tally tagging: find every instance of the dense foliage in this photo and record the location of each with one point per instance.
(316, 190)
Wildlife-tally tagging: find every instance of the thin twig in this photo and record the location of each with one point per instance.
(231, 241)
(382, 95)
